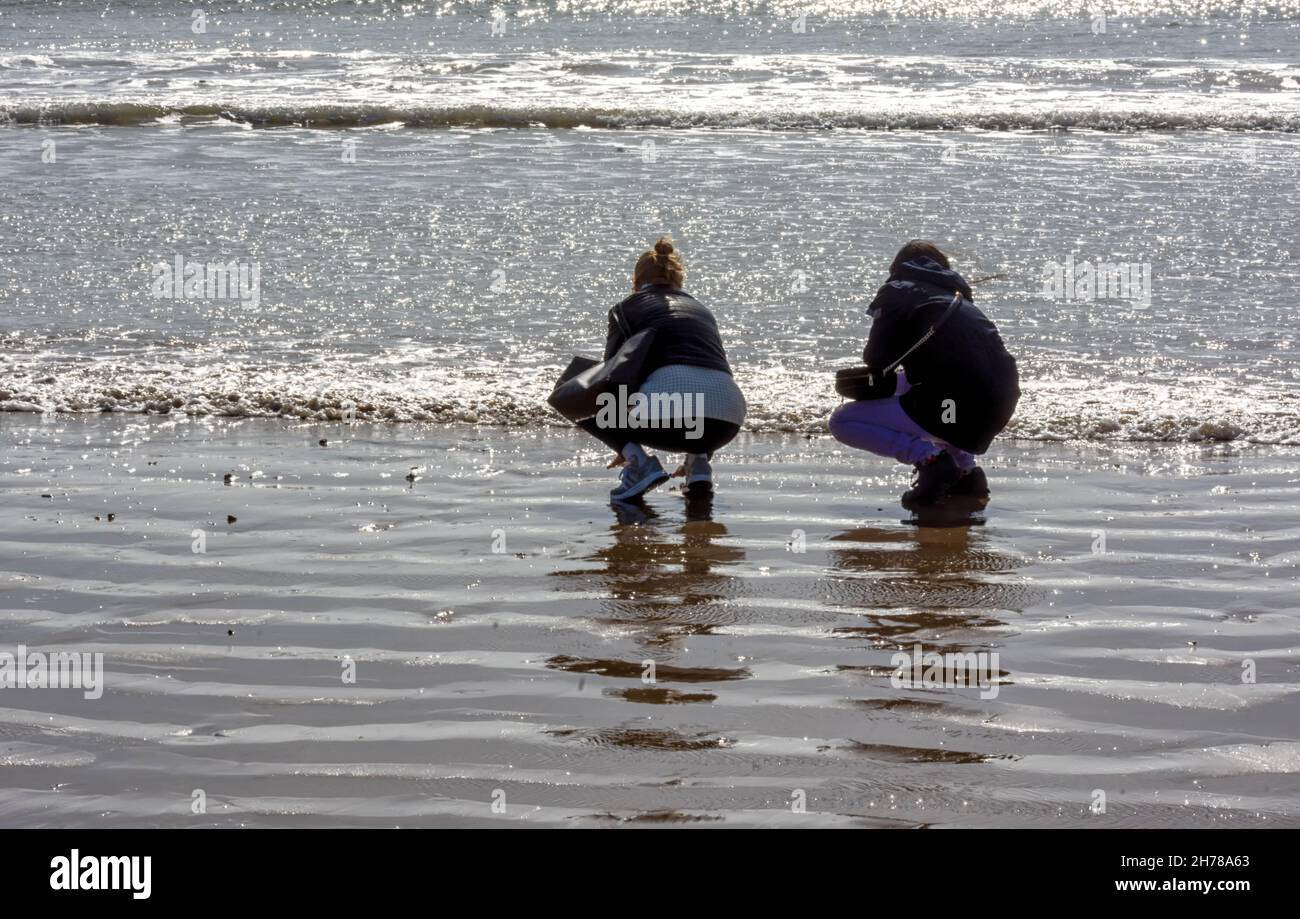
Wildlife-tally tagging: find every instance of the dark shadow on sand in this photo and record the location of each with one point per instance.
(924, 582)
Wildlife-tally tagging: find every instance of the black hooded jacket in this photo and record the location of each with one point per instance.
(685, 332)
(965, 385)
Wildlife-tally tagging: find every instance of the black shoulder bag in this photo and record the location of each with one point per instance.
(584, 381)
(862, 382)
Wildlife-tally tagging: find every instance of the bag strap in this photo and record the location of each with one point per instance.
(617, 313)
(952, 307)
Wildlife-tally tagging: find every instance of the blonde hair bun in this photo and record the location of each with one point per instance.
(660, 265)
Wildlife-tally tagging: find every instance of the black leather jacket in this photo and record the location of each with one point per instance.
(965, 385)
(685, 332)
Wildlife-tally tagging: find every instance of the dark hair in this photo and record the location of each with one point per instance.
(914, 249)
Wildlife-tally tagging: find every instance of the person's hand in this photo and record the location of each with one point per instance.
(680, 473)
(618, 460)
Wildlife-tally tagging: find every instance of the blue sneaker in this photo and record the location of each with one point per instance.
(638, 478)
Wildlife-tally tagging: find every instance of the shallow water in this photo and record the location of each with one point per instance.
(519, 672)
(452, 269)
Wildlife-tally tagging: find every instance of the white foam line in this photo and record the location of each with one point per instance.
(1202, 656)
(316, 695)
(412, 808)
(417, 732)
(60, 723)
(1218, 696)
(17, 753)
(162, 654)
(1140, 621)
(479, 613)
(816, 635)
(474, 772)
(1234, 759)
(1097, 581)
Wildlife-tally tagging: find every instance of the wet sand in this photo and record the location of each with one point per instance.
(515, 677)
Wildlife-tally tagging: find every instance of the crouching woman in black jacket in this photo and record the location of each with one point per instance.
(957, 390)
(687, 401)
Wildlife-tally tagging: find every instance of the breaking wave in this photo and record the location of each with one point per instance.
(780, 401)
(342, 115)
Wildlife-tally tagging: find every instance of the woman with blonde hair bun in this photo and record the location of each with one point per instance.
(687, 401)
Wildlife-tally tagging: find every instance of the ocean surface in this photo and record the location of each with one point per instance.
(442, 200)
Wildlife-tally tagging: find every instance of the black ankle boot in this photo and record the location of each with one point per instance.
(933, 480)
(972, 484)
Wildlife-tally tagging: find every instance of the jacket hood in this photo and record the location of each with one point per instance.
(926, 270)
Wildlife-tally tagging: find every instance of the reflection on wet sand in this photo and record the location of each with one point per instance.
(938, 585)
(899, 754)
(954, 511)
(665, 577)
(629, 670)
(939, 578)
(664, 581)
(667, 739)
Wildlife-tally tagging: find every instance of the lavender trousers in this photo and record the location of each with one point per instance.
(881, 426)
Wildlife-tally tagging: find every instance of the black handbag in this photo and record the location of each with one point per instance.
(862, 382)
(576, 396)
